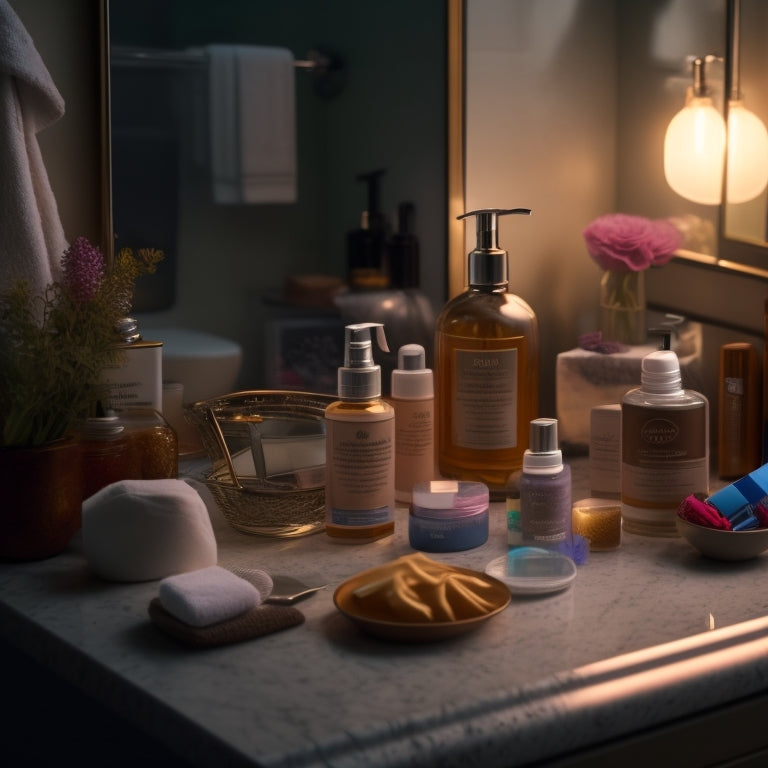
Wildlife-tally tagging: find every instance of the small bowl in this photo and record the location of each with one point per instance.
(724, 545)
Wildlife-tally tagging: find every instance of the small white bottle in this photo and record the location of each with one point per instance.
(664, 446)
(412, 395)
(360, 446)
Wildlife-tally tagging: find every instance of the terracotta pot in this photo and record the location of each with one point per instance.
(40, 499)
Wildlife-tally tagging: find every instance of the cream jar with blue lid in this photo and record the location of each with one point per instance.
(448, 515)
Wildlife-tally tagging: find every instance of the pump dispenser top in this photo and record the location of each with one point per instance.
(660, 370)
(360, 377)
(487, 262)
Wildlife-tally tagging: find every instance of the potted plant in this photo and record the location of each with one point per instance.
(53, 349)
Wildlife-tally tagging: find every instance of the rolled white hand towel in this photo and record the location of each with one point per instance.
(207, 596)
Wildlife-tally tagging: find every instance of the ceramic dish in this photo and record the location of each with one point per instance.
(724, 545)
(417, 632)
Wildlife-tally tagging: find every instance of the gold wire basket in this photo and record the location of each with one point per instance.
(267, 452)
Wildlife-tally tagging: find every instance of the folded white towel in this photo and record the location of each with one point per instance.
(207, 596)
(32, 239)
(252, 124)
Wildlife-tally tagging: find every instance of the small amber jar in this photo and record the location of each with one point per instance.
(108, 454)
(155, 442)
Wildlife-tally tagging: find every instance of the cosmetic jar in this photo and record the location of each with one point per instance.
(599, 522)
(448, 516)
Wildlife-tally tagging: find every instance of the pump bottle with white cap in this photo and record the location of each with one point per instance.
(664, 446)
(360, 446)
(487, 368)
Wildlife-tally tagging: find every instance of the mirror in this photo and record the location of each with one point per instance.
(384, 107)
(748, 221)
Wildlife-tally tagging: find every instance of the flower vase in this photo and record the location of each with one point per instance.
(41, 502)
(622, 306)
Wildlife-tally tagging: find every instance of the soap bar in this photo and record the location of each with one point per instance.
(139, 530)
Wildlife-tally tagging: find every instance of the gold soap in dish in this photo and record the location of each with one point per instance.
(267, 452)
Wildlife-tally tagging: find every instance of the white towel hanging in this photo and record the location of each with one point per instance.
(32, 238)
(252, 124)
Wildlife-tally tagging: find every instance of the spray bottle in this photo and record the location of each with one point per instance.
(360, 446)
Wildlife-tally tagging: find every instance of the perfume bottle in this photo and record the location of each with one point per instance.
(487, 367)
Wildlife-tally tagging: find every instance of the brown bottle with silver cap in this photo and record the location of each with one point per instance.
(487, 368)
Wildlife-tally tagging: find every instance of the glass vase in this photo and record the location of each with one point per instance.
(622, 307)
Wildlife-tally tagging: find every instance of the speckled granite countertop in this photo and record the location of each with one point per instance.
(647, 633)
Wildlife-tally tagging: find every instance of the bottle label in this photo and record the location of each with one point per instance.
(137, 381)
(414, 443)
(545, 509)
(485, 399)
(664, 455)
(361, 475)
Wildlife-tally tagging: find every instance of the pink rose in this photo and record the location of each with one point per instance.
(621, 242)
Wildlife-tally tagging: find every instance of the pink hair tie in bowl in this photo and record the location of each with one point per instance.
(697, 510)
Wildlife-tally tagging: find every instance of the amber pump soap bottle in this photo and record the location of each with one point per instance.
(487, 368)
(664, 446)
(360, 446)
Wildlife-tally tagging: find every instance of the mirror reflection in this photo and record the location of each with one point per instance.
(229, 262)
(748, 219)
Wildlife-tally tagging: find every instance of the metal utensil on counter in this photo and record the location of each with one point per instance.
(286, 590)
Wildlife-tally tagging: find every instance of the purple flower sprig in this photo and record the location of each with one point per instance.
(83, 271)
(622, 242)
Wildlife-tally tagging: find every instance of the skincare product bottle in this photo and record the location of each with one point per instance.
(739, 424)
(545, 490)
(487, 368)
(664, 446)
(404, 251)
(137, 380)
(413, 398)
(366, 246)
(360, 446)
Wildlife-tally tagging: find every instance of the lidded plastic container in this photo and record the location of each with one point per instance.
(448, 516)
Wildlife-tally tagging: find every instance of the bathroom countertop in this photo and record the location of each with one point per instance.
(647, 634)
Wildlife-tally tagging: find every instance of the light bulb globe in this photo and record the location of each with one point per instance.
(747, 167)
(694, 152)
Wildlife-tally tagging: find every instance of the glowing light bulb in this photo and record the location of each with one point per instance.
(694, 152)
(747, 167)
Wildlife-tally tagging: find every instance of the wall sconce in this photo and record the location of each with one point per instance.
(699, 146)
(694, 146)
(747, 156)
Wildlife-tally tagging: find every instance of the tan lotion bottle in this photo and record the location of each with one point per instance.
(413, 398)
(487, 368)
(360, 446)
